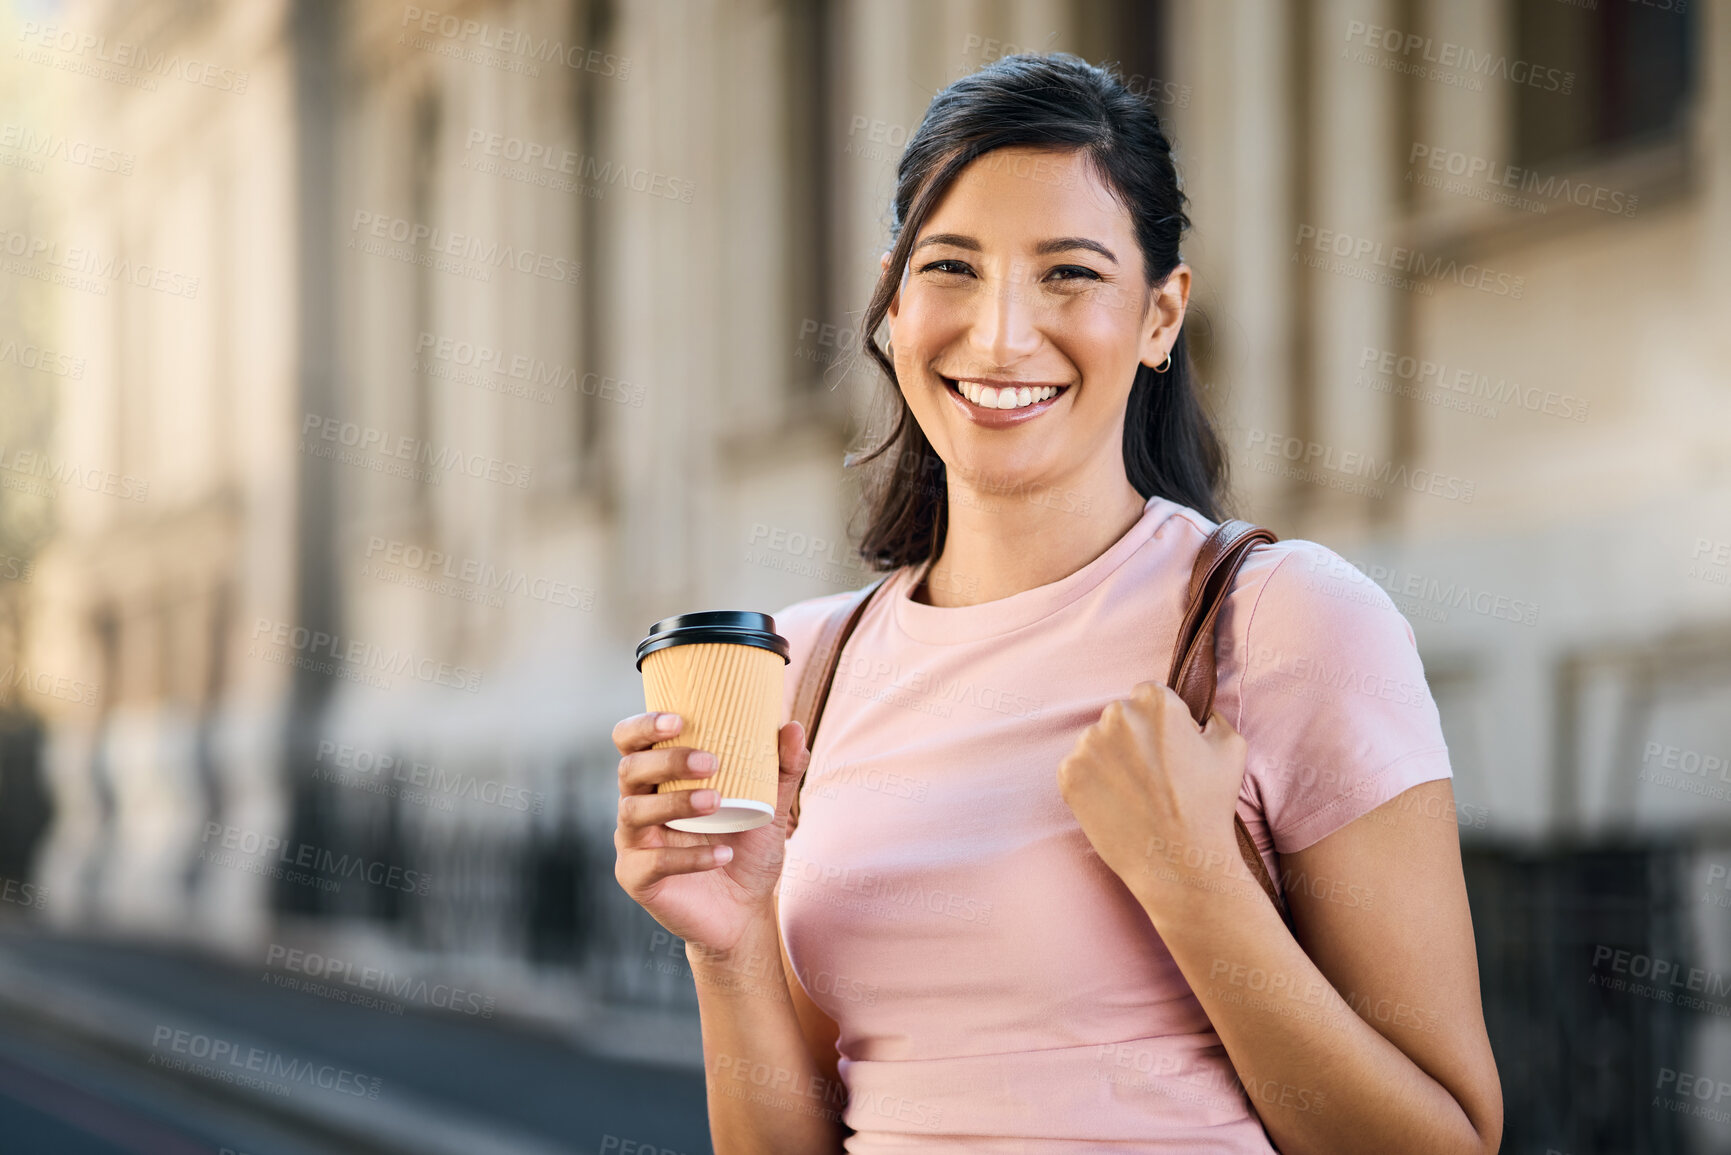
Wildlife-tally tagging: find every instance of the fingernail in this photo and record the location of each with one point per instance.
(723, 854)
(704, 799)
(702, 760)
(667, 723)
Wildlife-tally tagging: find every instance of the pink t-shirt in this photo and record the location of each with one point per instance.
(997, 987)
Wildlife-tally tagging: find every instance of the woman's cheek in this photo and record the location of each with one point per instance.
(1108, 315)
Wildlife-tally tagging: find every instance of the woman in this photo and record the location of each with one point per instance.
(1012, 916)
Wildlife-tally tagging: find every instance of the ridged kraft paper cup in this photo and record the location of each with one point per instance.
(723, 672)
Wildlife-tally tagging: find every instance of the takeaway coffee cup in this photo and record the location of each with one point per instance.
(722, 671)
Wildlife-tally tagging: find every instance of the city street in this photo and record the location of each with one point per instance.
(110, 1049)
(57, 1096)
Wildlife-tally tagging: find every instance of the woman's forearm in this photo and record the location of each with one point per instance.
(766, 1094)
(1322, 1079)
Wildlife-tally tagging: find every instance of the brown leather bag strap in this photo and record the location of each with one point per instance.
(1193, 660)
(1211, 577)
(819, 673)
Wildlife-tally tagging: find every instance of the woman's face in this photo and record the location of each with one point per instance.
(1025, 282)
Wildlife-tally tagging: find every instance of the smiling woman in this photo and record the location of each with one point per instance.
(1048, 185)
(1051, 945)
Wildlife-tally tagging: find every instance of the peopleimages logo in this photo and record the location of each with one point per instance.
(1470, 383)
(553, 159)
(271, 1065)
(1450, 57)
(1400, 259)
(306, 856)
(1682, 768)
(74, 151)
(461, 246)
(516, 42)
(1311, 457)
(32, 464)
(22, 893)
(365, 656)
(876, 888)
(87, 268)
(374, 980)
(1663, 973)
(137, 57)
(42, 360)
(480, 575)
(16, 678)
(365, 439)
(1497, 173)
(1345, 577)
(534, 371)
(370, 765)
(930, 684)
(1315, 677)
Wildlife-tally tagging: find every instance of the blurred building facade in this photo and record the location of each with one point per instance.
(480, 337)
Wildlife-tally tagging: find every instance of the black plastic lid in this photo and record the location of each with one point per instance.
(741, 627)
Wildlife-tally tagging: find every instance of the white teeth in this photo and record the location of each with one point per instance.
(1010, 397)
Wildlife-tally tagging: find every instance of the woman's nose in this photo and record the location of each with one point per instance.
(1005, 327)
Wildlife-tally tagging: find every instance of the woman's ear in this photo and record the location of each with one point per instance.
(1165, 316)
(895, 301)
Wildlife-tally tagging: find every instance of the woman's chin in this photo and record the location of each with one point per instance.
(984, 476)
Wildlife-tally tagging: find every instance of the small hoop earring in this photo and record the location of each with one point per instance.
(1167, 364)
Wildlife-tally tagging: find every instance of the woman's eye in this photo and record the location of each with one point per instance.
(1074, 273)
(952, 267)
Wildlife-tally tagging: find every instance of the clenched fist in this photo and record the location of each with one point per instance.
(1155, 794)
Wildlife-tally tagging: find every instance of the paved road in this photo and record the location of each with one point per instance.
(64, 1096)
(60, 1098)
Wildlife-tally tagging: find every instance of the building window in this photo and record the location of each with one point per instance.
(1633, 75)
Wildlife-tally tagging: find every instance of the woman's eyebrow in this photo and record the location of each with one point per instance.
(1060, 244)
(954, 240)
(1044, 248)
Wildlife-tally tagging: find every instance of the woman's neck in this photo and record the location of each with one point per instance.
(997, 544)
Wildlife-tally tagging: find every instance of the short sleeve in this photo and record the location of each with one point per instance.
(1332, 699)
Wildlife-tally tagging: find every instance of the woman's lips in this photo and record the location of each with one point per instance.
(999, 418)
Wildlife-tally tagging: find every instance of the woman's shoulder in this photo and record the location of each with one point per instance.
(1328, 687)
(1298, 581)
(801, 621)
(1304, 586)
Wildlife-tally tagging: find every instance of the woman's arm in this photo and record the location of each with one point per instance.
(1370, 1037)
(1374, 1041)
(768, 1095)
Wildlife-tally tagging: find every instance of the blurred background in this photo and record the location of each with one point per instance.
(372, 375)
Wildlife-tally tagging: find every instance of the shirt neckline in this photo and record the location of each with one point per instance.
(945, 625)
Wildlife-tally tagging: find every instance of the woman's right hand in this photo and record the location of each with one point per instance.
(707, 889)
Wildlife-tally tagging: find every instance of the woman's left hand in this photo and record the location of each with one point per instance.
(1155, 794)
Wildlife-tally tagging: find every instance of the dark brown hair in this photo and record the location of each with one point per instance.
(1060, 102)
